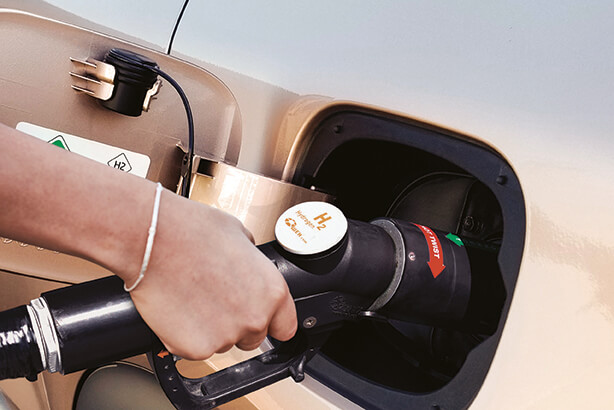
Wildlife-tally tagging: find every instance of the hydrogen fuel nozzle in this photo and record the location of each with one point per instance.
(338, 270)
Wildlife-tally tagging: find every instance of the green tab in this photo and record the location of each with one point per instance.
(455, 239)
(59, 142)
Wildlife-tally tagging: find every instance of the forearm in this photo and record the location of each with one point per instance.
(62, 201)
(207, 286)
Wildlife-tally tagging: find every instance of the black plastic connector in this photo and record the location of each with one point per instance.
(134, 76)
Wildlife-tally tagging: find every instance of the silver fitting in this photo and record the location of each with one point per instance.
(399, 245)
(48, 345)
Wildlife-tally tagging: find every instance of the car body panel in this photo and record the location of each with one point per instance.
(530, 81)
(115, 18)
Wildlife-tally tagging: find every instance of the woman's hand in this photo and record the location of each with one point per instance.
(207, 286)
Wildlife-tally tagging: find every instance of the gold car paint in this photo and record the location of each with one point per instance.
(555, 351)
(37, 89)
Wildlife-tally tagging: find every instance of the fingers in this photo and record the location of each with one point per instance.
(224, 348)
(283, 324)
(281, 328)
(252, 342)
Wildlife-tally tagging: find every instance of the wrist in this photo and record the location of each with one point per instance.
(117, 238)
(151, 235)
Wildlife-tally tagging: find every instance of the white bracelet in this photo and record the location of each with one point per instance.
(150, 239)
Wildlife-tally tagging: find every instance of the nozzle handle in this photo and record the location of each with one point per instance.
(288, 359)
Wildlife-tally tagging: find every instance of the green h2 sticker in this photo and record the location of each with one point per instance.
(115, 157)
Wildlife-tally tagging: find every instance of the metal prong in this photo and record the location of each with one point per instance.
(84, 78)
(98, 78)
(92, 87)
(83, 90)
(102, 71)
(84, 62)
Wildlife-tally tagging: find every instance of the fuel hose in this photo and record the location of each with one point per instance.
(19, 350)
(71, 329)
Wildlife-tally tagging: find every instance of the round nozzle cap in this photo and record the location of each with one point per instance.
(310, 228)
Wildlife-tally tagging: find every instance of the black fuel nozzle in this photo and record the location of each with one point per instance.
(400, 270)
(337, 270)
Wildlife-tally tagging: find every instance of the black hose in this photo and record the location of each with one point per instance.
(94, 323)
(19, 352)
(97, 323)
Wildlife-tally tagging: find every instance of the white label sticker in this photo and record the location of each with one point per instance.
(310, 228)
(121, 159)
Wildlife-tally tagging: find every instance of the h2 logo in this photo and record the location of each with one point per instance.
(321, 219)
(120, 162)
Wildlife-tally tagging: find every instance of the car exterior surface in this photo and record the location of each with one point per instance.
(532, 82)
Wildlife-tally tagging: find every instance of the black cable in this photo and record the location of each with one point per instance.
(188, 159)
(135, 74)
(170, 42)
